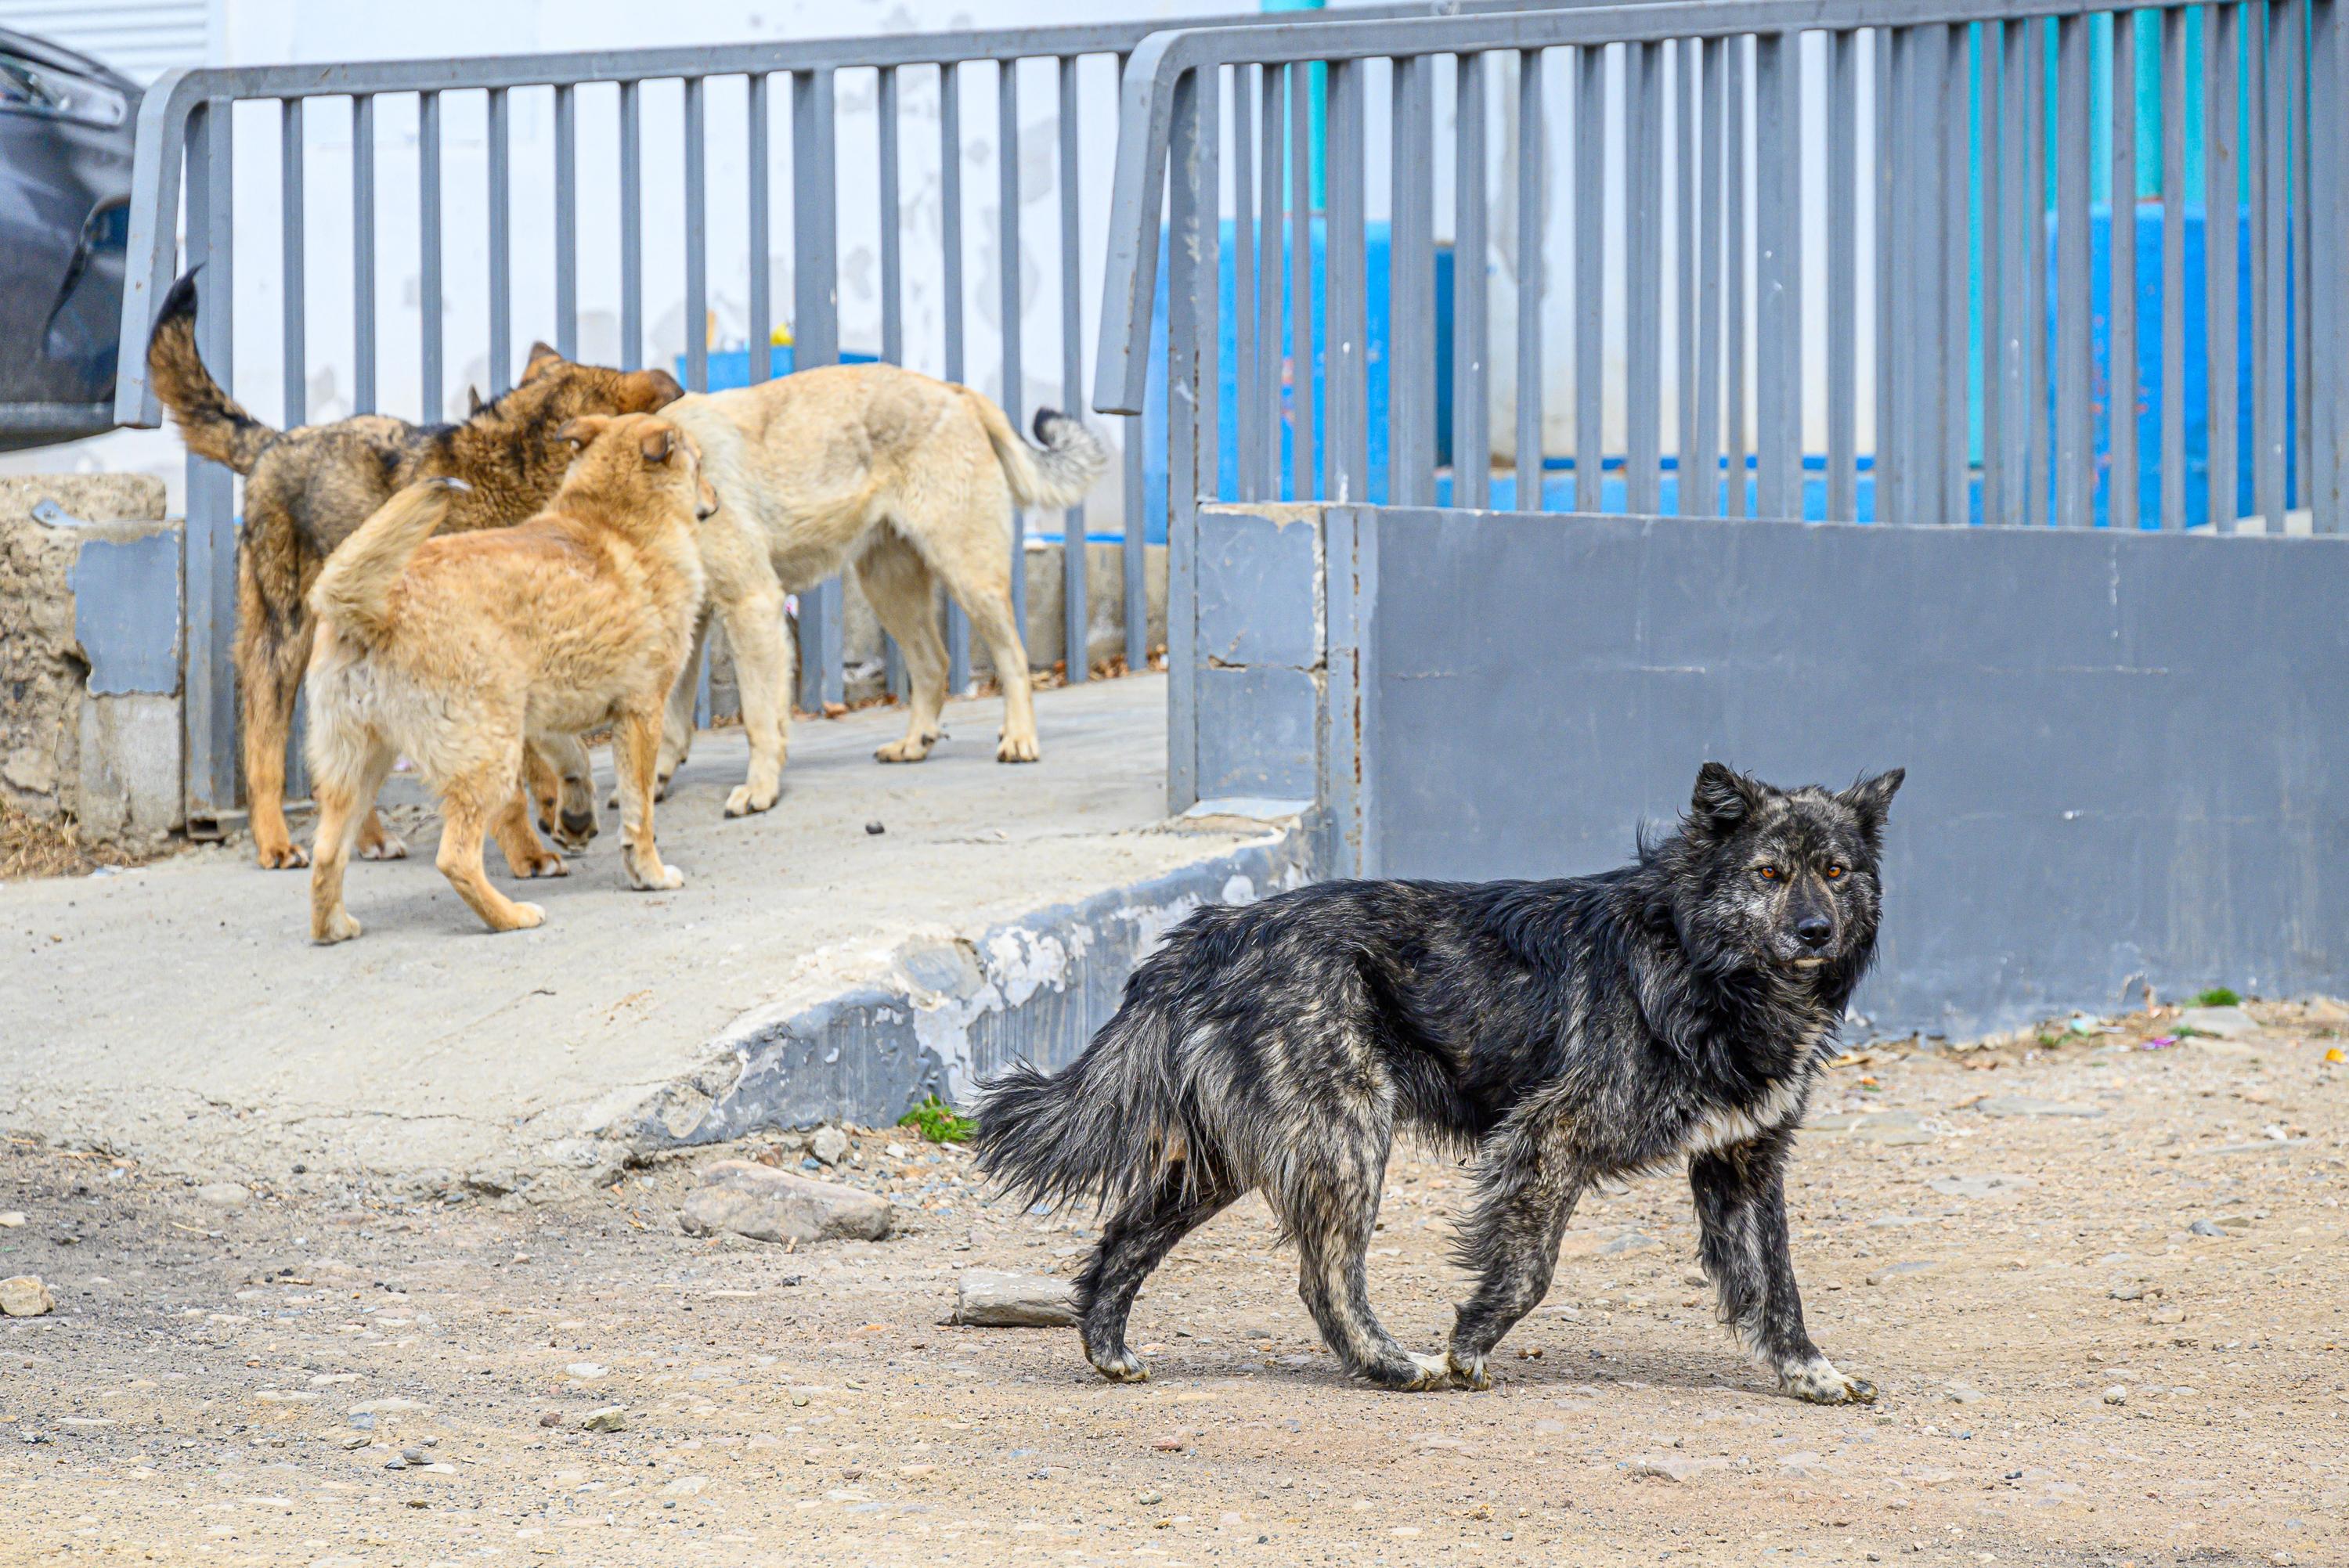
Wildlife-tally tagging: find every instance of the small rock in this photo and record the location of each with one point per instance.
(875, 828)
(986, 1298)
(606, 1419)
(1150, 1499)
(2133, 1290)
(416, 1456)
(1978, 1186)
(2167, 1313)
(2116, 1395)
(13, 1219)
(549, 1417)
(829, 1145)
(1169, 1445)
(583, 1371)
(1660, 1467)
(2024, 1105)
(2226, 1022)
(1898, 1271)
(2207, 1228)
(1628, 1241)
(223, 1196)
(1963, 1393)
(751, 1200)
(351, 1439)
(26, 1296)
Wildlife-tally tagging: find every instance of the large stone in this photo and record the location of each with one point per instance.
(745, 1199)
(2226, 1022)
(26, 1296)
(991, 1299)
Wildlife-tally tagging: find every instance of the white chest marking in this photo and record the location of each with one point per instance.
(1719, 1129)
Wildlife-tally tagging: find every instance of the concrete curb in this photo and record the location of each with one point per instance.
(948, 1015)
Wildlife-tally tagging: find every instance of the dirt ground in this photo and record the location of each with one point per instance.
(2072, 1373)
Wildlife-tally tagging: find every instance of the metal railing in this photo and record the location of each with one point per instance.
(187, 159)
(1989, 408)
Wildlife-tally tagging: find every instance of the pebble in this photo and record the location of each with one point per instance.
(26, 1296)
(223, 1196)
(829, 1145)
(875, 828)
(747, 1199)
(2024, 1105)
(549, 1417)
(2207, 1228)
(2116, 1395)
(606, 1419)
(1964, 1394)
(1898, 1271)
(1173, 1445)
(1978, 1186)
(2133, 1290)
(989, 1298)
(13, 1219)
(583, 1371)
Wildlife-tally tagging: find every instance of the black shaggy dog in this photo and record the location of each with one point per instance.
(1566, 1031)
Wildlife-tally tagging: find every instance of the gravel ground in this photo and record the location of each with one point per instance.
(2072, 1372)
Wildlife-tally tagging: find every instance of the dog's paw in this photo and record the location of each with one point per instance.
(906, 749)
(1125, 1366)
(667, 880)
(660, 786)
(1818, 1382)
(544, 866)
(526, 917)
(390, 847)
(336, 927)
(281, 857)
(1433, 1372)
(1470, 1374)
(743, 800)
(1018, 748)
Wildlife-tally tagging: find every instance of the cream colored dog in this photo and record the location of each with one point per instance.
(910, 478)
(458, 652)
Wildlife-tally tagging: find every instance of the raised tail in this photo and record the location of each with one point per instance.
(353, 588)
(213, 424)
(1106, 1126)
(1071, 457)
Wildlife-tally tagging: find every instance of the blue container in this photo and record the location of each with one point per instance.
(730, 367)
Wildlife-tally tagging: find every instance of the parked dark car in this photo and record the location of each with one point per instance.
(67, 125)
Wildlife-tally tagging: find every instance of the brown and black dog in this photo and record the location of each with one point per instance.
(460, 651)
(307, 489)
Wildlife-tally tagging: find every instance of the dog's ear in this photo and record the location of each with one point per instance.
(1871, 801)
(581, 431)
(650, 391)
(1724, 798)
(543, 359)
(656, 444)
(473, 404)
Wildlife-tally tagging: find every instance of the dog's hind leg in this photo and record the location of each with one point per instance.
(1333, 1208)
(561, 778)
(677, 715)
(273, 644)
(762, 674)
(904, 595)
(471, 802)
(351, 774)
(1137, 1238)
(1528, 1188)
(635, 744)
(525, 856)
(1740, 1210)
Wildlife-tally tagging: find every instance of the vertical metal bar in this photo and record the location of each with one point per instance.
(1472, 442)
(761, 204)
(1843, 280)
(2328, 168)
(1076, 620)
(1988, 113)
(1270, 127)
(2121, 493)
(632, 226)
(501, 153)
(815, 338)
(2173, 267)
(2035, 176)
(1589, 274)
(2303, 110)
(2022, 401)
(2271, 417)
(893, 265)
(1305, 368)
(2221, 214)
(1190, 360)
(2076, 434)
(1711, 134)
(1533, 143)
(950, 243)
(1015, 388)
(1735, 177)
(1643, 257)
(293, 359)
(1248, 415)
(427, 233)
(1347, 449)
(1410, 295)
(1956, 472)
(1777, 82)
(1898, 477)
(1134, 555)
(696, 235)
(1886, 191)
(1684, 222)
(363, 253)
(566, 221)
(1920, 386)
(210, 539)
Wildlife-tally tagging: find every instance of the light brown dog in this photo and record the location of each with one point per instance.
(459, 652)
(910, 478)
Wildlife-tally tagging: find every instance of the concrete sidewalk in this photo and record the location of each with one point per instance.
(180, 1014)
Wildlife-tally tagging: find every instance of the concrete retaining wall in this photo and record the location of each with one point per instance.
(2127, 754)
(89, 630)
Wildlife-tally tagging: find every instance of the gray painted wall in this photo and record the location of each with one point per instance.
(2127, 755)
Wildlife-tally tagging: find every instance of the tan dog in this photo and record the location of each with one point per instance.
(456, 652)
(911, 479)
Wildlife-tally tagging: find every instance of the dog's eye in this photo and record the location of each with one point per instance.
(1770, 873)
(1834, 872)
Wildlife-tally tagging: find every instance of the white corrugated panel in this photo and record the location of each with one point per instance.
(141, 38)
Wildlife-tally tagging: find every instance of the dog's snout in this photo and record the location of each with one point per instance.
(578, 824)
(1814, 931)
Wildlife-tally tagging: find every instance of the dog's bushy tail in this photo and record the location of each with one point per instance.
(1106, 1126)
(1059, 474)
(353, 588)
(213, 424)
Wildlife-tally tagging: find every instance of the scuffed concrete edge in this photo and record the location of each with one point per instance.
(947, 1015)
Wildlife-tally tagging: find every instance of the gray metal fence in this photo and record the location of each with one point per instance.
(1950, 149)
(188, 130)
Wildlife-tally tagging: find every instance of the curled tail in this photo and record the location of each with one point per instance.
(1108, 1125)
(353, 588)
(213, 424)
(1057, 475)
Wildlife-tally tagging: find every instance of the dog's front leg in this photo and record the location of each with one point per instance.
(636, 746)
(1529, 1184)
(676, 718)
(762, 674)
(1740, 1207)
